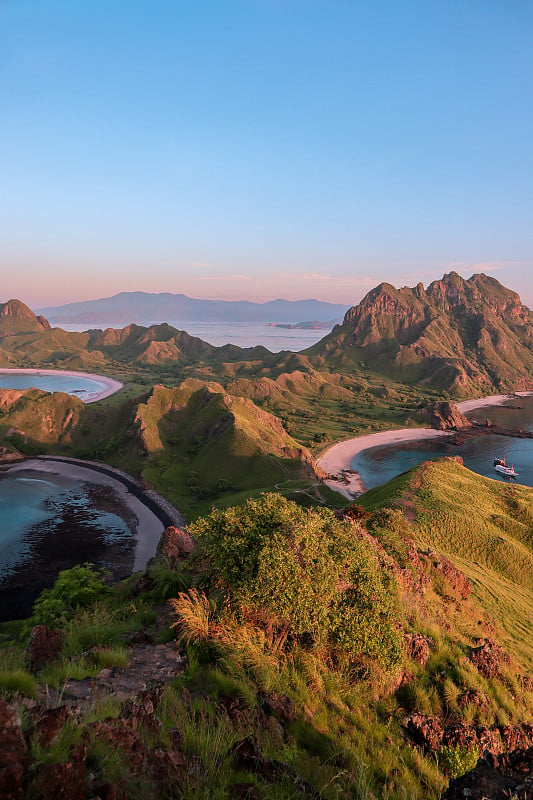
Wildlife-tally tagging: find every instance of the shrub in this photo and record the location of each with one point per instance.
(456, 761)
(74, 588)
(311, 572)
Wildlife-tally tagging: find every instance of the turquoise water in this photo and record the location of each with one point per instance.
(51, 522)
(32, 507)
(378, 465)
(71, 384)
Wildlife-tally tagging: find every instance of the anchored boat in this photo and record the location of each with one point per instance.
(504, 469)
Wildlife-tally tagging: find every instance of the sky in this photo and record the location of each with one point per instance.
(255, 149)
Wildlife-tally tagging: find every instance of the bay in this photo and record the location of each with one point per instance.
(378, 465)
(50, 522)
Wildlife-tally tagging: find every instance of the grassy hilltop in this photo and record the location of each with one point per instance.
(327, 655)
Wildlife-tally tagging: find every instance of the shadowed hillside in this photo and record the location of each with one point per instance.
(197, 443)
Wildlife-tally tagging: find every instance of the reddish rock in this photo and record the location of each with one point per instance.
(460, 735)
(47, 723)
(418, 647)
(14, 755)
(516, 736)
(489, 658)
(60, 781)
(280, 706)
(425, 731)
(175, 543)
(140, 709)
(168, 769)
(457, 580)
(446, 416)
(44, 646)
(120, 734)
(473, 697)
(235, 708)
(489, 739)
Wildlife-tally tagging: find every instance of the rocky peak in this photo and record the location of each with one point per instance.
(16, 314)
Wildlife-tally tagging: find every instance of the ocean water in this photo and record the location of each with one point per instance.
(378, 465)
(242, 334)
(71, 384)
(51, 522)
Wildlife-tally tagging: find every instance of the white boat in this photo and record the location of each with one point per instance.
(504, 469)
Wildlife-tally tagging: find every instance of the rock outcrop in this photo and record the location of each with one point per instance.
(44, 646)
(446, 416)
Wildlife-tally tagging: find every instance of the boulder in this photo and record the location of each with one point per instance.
(489, 658)
(44, 646)
(175, 543)
(446, 416)
(418, 647)
(425, 731)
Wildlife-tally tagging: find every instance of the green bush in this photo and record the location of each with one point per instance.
(313, 573)
(456, 761)
(74, 589)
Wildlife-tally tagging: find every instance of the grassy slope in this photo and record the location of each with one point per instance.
(485, 527)
(346, 736)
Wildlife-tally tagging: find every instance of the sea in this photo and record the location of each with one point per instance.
(242, 334)
(377, 465)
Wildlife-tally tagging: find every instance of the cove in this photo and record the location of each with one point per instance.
(377, 465)
(86, 386)
(57, 515)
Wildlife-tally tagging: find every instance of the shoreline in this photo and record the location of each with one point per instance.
(336, 460)
(149, 526)
(110, 385)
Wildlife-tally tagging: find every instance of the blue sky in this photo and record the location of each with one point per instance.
(263, 148)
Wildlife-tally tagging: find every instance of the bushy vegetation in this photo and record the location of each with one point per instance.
(74, 589)
(316, 576)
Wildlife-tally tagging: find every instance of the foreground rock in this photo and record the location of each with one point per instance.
(432, 733)
(14, 754)
(496, 777)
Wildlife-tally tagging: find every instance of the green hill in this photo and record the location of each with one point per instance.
(320, 654)
(490, 539)
(198, 444)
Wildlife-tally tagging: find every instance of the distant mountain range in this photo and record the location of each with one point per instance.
(457, 335)
(462, 337)
(146, 308)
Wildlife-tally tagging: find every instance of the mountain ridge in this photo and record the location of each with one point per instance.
(165, 306)
(459, 335)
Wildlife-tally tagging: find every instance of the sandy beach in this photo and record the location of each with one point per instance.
(465, 406)
(149, 527)
(337, 458)
(108, 385)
